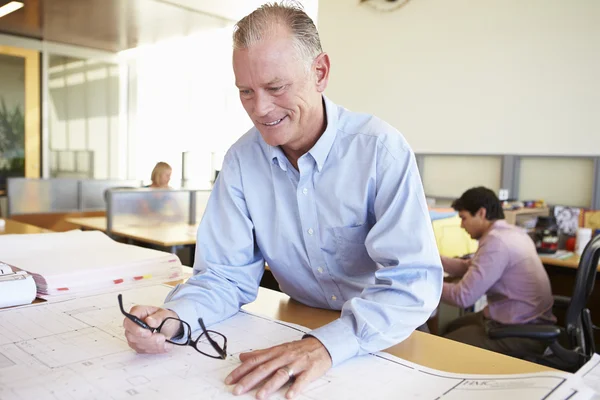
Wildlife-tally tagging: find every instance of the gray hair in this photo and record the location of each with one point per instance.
(264, 21)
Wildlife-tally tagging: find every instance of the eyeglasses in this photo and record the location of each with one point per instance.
(210, 343)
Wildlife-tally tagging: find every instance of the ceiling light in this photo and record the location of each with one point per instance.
(10, 7)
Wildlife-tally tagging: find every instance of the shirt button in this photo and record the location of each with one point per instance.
(320, 269)
(333, 298)
(310, 231)
(305, 190)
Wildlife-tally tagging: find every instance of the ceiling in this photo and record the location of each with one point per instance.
(116, 25)
(230, 9)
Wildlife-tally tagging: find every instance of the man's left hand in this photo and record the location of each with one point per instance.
(302, 361)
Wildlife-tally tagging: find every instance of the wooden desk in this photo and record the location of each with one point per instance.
(571, 262)
(421, 348)
(163, 234)
(92, 223)
(12, 227)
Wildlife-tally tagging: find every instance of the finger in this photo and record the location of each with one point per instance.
(156, 318)
(301, 381)
(253, 353)
(276, 382)
(250, 361)
(263, 372)
(135, 329)
(143, 311)
(155, 344)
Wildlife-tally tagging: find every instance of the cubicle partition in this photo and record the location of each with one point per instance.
(200, 198)
(559, 180)
(94, 192)
(37, 196)
(154, 207)
(59, 195)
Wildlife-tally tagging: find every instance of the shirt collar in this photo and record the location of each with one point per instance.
(498, 224)
(321, 149)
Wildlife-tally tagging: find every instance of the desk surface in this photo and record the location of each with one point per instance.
(571, 262)
(163, 234)
(96, 223)
(421, 348)
(12, 227)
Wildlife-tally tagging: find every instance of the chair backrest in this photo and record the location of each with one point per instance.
(577, 319)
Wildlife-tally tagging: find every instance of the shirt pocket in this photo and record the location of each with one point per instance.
(351, 252)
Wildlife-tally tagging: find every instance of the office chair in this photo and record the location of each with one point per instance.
(571, 345)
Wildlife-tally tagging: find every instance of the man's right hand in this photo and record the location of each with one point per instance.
(143, 340)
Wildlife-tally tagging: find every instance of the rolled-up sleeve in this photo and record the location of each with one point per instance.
(408, 282)
(486, 268)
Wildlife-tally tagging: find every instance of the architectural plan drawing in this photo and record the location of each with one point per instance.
(75, 349)
(590, 374)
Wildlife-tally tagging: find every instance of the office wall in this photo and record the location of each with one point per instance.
(463, 76)
(183, 98)
(83, 118)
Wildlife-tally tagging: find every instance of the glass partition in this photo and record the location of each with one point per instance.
(202, 197)
(147, 207)
(93, 192)
(83, 117)
(35, 196)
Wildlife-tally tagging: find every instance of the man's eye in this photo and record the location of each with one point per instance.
(245, 92)
(276, 89)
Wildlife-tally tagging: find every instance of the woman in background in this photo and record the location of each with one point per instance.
(161, 206)
(161, 175)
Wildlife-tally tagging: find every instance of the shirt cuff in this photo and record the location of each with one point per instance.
(186, 311)
(339, 340)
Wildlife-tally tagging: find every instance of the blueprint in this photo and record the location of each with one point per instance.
(590, 374)
(75, 349)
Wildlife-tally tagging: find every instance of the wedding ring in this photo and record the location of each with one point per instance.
(289, 371)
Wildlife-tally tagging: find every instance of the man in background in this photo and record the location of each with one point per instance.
(506, 268)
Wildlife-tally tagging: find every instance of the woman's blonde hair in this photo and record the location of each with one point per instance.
(264, 21)
(159, 168)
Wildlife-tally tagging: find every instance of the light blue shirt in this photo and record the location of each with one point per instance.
(349, 230)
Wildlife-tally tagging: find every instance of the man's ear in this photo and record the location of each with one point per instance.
(481, 213)
(321, 67)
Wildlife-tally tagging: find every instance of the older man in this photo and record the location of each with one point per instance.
(331, 199)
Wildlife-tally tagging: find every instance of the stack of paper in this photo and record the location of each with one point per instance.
(16, 288)
(75, 262)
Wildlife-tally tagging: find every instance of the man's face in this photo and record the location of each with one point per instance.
(473, 224)
(276, 90)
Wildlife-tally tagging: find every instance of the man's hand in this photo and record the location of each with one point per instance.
(304, 360)
(143, 340)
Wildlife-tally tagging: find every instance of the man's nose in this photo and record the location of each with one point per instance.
(262, 104)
